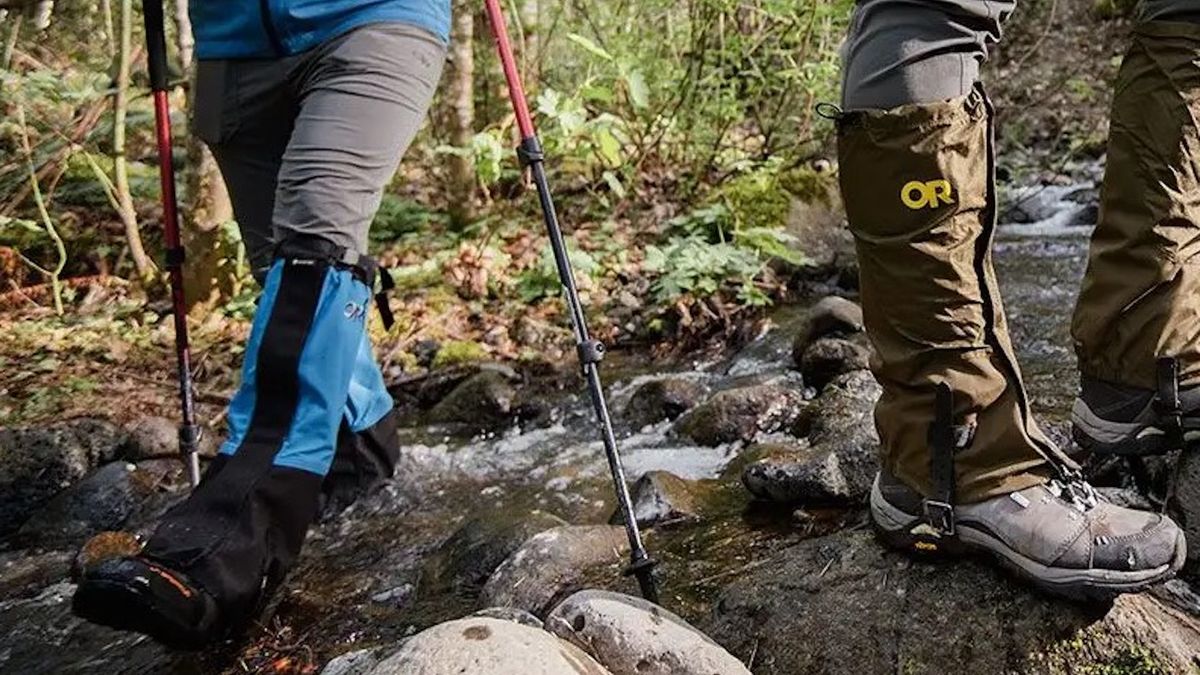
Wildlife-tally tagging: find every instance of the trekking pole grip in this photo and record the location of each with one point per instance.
(156, 43)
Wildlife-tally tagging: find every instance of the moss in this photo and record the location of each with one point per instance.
(1131, 660)
(458, 352)
(1113, 9)
(756, 199)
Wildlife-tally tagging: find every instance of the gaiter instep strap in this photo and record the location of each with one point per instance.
(939, 509)
(1167, 402)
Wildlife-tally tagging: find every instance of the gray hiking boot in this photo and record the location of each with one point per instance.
(1115, 419)
(1058, 536)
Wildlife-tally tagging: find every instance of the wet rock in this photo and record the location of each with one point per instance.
(664, 399)
(102, 547)
(105, 500)
(864, 611)
(1184, 506)
(156, 437)
(552, 565)
(464, 563)
(661, 497)
(40, 635)
(631, 636)
(492, 646)
(844, 424)
(808, 476)
(37, 462)
(832, 316)
(828, 357)
(23, 573)
(510, 614)
(743, 414)
(483, 401)
(841, 461)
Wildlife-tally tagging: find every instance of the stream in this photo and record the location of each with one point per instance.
(369, 577)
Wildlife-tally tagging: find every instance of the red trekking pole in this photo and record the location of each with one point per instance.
(590, 351)
(156, 50)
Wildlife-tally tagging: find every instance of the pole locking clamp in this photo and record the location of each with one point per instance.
(591, 352)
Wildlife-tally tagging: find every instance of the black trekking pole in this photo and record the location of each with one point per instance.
(590, 351)
(156, 50)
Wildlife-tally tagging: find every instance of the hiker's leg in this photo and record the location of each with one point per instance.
(222, 552)
(917, 176)
(1137, 323)
(248, 121)
(917, 51)
(917, 169)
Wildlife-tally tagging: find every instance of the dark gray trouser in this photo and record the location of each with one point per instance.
(924, 51)
(307, 143)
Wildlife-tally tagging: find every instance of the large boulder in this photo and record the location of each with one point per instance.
(38, 462)
(552, 565)
(664, 399)
(464, 563)
(841, 460)
(492, 646)
(484, 401)
(744, 414)
(630, 636)
(843, 605)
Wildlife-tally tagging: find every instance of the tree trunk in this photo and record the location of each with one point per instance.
(207, 282)
(127, 212)
(460, 108)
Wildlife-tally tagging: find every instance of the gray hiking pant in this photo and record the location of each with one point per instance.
(307, 143)
(924, 51)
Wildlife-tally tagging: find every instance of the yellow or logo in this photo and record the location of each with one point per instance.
(918, 195)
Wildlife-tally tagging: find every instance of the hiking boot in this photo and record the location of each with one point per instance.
(1059, 536)
(134, 594)
(1116, 419)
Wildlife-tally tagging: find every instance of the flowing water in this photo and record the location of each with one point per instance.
(363, 579)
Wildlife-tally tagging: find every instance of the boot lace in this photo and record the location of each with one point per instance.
(1075, 491)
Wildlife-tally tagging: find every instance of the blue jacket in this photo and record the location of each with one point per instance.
(235, 29)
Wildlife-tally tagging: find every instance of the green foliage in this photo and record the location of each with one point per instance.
(692, 265)
(542, 281)
(458, 352)
(398, 217)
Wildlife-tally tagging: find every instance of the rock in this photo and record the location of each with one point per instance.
(483, 401)
(510, 614)
(842, 458)
(553, 564)
(1184, 506)
(810, 476)
(843, 605)
(832, 316)
(464, 563)
(743, 414)
(828, 357)
(664, 399)
(40, 635)
(844, 424)
(156, 437)
(491, 646)
(103, 546)
(37, 462)
(358, 662)
(661, 497)
(104, 500)
(22, 573)
(630, 636)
